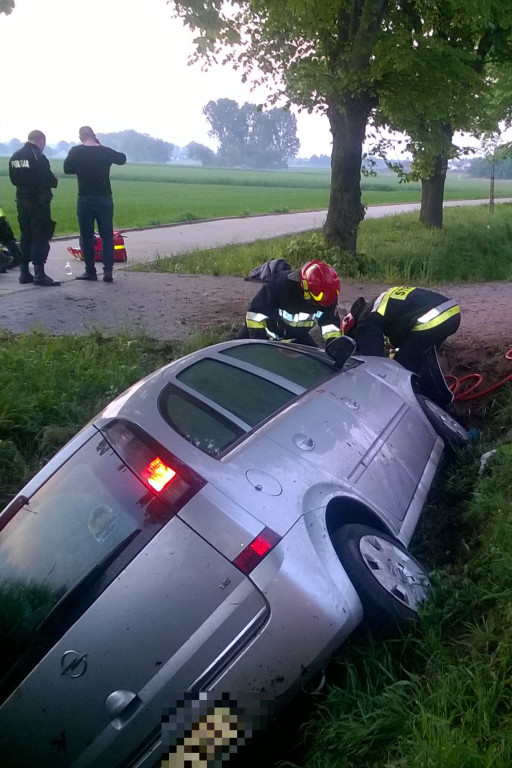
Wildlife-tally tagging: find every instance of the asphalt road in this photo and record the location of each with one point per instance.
(148, 244)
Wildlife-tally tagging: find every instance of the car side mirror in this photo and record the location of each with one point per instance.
(340, 349)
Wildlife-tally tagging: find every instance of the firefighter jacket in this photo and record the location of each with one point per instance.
(280, 311)
(29, 171)
(398, 312)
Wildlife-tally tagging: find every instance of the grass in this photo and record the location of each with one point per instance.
(151, 195)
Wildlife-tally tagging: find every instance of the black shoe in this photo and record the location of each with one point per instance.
(45, 281)
(26, 277)
(107, 276)
(87, 276)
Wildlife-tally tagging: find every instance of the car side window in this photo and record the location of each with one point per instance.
(208, 430)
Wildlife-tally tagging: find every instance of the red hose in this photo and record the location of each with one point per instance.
(463, 390)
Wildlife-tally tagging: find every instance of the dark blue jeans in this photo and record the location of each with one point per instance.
(99, 209)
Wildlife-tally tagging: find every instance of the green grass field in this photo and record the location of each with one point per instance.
(151, 195)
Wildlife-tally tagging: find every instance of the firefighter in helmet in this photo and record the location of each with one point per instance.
(411, 320)
(291, 302)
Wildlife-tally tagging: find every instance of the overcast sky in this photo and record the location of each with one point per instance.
(114, 65)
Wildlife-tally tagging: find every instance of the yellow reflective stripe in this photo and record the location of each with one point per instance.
(441, 318)
(400, 292)
(255, 320)
(318, 297)
(328, 335)
(116, 247)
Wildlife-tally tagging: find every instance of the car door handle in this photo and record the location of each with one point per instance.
(120, 706)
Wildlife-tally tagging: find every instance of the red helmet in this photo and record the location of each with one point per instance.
(320, 281)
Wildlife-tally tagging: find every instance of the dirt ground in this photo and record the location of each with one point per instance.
(167, 306)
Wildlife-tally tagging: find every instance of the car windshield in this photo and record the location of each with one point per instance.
(76, 525)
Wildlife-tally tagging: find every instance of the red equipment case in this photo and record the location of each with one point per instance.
(119, 248)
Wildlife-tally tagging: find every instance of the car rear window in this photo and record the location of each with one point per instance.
(92, 510)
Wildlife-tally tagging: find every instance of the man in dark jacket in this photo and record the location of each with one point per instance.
(413, 320)
(92, 162)
(292, 302)
(29, 171)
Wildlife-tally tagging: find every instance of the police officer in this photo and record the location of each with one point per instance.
(29, 171)
(413, 320)
(292, 302)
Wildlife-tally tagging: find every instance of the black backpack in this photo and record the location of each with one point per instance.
(267, 270)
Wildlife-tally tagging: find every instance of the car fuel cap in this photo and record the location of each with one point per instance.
(262, 481)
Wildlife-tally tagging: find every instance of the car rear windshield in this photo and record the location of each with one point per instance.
(92, 513)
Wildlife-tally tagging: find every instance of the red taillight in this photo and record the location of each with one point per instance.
(254, 553)
(157, 474)
(159, 469)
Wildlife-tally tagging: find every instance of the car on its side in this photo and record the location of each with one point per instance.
(204, 545)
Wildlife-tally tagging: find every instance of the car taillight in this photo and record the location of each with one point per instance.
(157, 474)
(159, 469)
(254, 552)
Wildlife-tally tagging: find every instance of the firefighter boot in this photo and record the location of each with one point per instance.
(41, 278)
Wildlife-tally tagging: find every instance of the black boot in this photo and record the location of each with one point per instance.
(41, 278)
(87, 275)
(26, 275)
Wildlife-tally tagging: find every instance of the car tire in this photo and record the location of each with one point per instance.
(390, 582)
(448, 428)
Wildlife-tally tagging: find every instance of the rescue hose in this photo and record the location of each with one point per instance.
(463, 390)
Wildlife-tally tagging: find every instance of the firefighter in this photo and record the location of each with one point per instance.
(8, 241)
(29, 171)
(291, 302)
(411, 320)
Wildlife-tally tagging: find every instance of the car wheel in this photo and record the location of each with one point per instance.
(390, 582)
(445, 425)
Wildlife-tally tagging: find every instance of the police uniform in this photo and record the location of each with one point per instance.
(29, 171)
(280, 311)
(412, 319)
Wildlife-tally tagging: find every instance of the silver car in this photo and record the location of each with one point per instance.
(200, 549)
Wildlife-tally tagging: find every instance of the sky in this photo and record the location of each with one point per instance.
(115, 65)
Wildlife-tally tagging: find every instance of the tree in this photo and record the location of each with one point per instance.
(139, 147)
(250, 136)
(450, 44)
(6, 6)
(319, 55)
(201, 153)
(341, 58)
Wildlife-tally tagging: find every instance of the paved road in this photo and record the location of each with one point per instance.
(147, 244)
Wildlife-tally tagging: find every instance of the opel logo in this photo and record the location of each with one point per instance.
(73, 663)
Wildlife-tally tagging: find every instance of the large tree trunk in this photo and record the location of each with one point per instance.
(348, 127)
(432, 189)
(432, 195)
